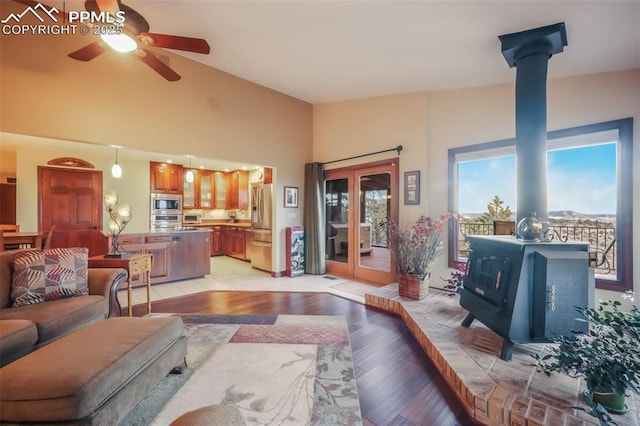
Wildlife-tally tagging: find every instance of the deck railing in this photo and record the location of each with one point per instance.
(601, 240)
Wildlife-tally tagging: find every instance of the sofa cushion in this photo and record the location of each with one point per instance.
(59, 317)
(17, 338)
(50, 274)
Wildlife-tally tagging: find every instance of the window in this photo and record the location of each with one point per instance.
(596, 158)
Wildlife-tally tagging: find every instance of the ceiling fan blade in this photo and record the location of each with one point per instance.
(60, 14)
(110, 6)
(188, 44)
(88, 52)
(157, 65)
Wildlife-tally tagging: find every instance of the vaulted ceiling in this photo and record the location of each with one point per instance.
(324, 51)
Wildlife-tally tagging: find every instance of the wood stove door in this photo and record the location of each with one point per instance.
(488, 277)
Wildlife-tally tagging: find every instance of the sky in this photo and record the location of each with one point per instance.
(579, 179)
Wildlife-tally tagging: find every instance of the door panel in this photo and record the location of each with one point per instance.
(338, 205)
(71, 199)
(358, 201)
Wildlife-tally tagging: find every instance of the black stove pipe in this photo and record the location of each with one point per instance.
(530, 52)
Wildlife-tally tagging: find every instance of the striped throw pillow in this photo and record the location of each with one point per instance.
(50, 274)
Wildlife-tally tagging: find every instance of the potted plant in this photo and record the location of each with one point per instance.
(607, 356)
(415, 249)
(455, 281)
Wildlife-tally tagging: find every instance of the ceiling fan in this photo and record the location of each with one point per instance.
(135, 33)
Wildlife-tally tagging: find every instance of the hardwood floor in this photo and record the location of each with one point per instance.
(397, 383)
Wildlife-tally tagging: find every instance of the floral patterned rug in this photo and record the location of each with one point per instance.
(266, 369)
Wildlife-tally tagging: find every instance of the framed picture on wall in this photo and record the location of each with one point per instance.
(412, 187)
(291, 196)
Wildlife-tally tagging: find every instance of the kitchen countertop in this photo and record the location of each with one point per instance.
(174, 231)
(210, 224)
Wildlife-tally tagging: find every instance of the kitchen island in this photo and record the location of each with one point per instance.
(177, 255)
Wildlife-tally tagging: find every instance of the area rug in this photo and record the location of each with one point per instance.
(265, 369)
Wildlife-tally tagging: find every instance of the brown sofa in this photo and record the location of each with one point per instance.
(25, 328)
(66, 362)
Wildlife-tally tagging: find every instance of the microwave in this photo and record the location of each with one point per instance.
(192, 218)
(166, 204)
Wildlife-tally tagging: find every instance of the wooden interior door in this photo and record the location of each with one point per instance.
(71, 199)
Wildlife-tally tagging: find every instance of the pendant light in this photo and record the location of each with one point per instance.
(116, 170)
(189, 176)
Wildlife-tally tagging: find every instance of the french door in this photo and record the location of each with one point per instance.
(358, 202)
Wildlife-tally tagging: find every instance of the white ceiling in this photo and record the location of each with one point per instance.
(323, 51)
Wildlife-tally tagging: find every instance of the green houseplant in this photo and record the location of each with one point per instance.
(415, 249)
(607, 357)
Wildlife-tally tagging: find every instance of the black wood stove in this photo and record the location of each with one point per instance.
(527, 291)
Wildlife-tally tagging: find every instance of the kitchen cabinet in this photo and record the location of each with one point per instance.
(238, 190)
(197, 194)
(206, 192)
(234, 242)
(217, 243)
(220, 179)
(189, 199)
(166, 178)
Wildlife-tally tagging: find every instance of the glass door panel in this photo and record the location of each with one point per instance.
(221, 190)
(375, 207)
(189, 191)
(337, 215)
(206, 189)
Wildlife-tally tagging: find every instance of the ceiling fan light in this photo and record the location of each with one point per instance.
(120, 42)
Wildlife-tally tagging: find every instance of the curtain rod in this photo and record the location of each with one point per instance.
(397, 148)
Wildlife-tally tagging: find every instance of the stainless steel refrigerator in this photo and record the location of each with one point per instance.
(259, 250)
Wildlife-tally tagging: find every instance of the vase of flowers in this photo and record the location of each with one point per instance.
(415, 249)
(607, 357)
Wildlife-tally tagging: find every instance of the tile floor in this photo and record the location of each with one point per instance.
(235, 275)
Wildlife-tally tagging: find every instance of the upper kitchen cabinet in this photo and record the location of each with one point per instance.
(220, 179)
(238, 190)
(166, 178)
(189, 188)
(206, 190)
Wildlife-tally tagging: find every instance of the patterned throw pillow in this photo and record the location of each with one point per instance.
(50, 274)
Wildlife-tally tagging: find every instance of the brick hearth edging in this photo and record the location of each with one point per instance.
(492, 391)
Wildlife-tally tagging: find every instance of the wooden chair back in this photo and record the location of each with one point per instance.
(46, 241)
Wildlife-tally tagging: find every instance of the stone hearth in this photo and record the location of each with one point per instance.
(492, 391)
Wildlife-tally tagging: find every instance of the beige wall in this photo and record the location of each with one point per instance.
(119, 100)
(429, 124)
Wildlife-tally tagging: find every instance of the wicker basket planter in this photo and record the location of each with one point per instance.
(412, 287)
